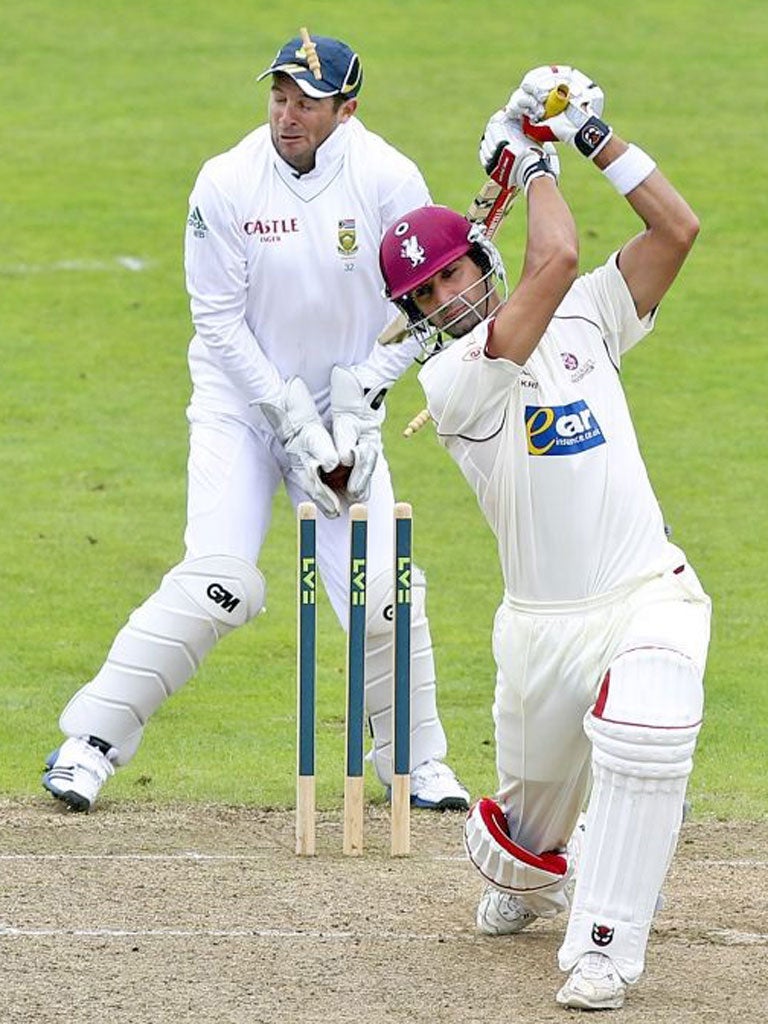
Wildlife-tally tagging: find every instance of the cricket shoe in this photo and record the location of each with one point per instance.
(500, 913)
(76, 772)
(593, 984)
(435, 787)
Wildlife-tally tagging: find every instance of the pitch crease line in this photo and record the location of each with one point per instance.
(191, 855)
(726, 937)
(729, 937)
(131, 856)
(227, 933)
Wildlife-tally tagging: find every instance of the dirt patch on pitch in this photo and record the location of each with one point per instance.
(139, 915)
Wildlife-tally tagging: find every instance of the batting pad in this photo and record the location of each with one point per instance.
(161, 646)
(538, 879)
(642, 757)
(427, 735)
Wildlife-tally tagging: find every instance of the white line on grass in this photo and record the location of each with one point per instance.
(133, 263)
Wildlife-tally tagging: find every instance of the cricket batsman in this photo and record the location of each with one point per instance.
(601, 636)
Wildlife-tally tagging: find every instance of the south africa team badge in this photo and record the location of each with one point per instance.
(347, 245)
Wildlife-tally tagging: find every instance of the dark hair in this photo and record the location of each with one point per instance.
(480, 258)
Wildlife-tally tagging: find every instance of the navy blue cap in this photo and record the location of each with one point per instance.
(337, 72)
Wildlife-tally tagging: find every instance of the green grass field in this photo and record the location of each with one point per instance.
(106, 119)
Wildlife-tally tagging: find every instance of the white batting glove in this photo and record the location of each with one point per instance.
(579, 125)
(554, 160)
(358, 412)
(508, 156)
(530, 97)
(297, 425)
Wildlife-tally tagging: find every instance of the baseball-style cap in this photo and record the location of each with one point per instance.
(326, 68)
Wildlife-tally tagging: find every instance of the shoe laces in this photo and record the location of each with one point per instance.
(511, 907)
(95, 760)
(431, 770)
(596, 965)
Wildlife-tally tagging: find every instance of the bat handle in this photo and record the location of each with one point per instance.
(557, 100)
(417, 423)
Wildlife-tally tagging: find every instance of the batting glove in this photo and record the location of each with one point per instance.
(508, 156)
(357, 410)
(579, 125)
(297, 425)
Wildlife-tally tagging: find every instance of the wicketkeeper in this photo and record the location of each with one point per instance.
(286, 297)
(601, 637)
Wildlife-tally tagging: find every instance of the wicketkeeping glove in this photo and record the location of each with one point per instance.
(357, 410)
(296, 422)
(579, 124)
(508, 156)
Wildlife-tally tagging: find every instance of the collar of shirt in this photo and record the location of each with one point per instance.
(328, 159)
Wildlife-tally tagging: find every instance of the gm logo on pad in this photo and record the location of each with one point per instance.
(561, 429)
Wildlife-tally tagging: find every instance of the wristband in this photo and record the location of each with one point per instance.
(592, 136)
(629, 170)
(535, 168)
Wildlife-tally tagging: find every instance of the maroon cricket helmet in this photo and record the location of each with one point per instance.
(419, 245)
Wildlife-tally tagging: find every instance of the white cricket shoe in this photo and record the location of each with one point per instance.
(76, 772)
(593, 984)
(434, 786)
(500, 913)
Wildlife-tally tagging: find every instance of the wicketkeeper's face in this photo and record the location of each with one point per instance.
(299, 124)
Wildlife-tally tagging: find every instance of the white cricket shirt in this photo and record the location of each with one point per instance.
(283, 271)
(550, 449)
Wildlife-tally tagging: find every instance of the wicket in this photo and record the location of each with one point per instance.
(306, 677)
(401, 704)
(358, 587)
(355, 695)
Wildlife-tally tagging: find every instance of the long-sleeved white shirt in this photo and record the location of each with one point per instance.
(283, 270)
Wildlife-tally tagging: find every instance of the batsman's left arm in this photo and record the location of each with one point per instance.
(650, 261)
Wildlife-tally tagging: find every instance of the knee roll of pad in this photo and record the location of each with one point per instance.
(161, 646)
(642, 751)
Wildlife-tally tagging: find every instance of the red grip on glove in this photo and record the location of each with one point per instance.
(538, 132)
(502, 169)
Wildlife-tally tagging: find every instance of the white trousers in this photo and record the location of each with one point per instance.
(551, 660)
(234, 472)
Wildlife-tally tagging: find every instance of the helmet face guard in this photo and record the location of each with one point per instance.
(420, 245)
